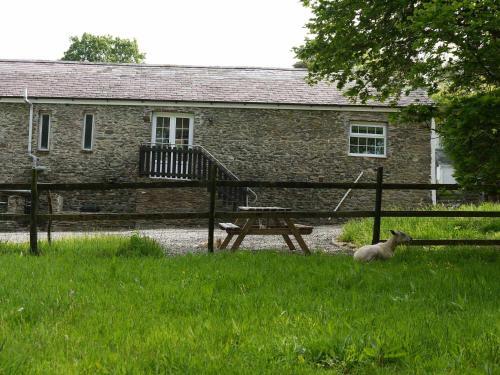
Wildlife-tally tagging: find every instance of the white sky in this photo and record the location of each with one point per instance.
(195, 32)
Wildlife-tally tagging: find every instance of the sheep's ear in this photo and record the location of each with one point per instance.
(394, 233)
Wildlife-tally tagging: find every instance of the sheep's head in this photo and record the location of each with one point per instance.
(401, 237)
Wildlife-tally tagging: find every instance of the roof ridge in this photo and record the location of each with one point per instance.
(38, 61)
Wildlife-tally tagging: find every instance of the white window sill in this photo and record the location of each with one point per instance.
(369, 156)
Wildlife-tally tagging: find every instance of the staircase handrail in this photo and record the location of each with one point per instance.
(225, 169)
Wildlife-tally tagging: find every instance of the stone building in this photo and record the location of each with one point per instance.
(91, 119)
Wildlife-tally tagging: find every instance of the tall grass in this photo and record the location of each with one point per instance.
(359, 231)
(84, 307)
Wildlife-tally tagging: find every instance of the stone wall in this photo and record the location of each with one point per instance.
(263, 144)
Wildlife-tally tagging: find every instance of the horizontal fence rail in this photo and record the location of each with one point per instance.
(454, 242)
(240, 183)
(108, 216)
(247, 214)
(222, 183)
(108, 185)
(339, 185)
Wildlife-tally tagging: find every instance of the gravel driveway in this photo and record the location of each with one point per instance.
(188, 240)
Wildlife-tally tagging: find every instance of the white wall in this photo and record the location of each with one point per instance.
(444, 174)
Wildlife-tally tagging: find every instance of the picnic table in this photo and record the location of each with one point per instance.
(274, 224)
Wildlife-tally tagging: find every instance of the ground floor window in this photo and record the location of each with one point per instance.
(367, 140)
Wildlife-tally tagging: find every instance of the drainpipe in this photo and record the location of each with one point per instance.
(34, 159)
(434, 141)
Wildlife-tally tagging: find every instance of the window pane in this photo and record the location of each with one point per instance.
(380, 130)
(354, 129)
(371, 141)
(182, 131)
(44, 132)
(353, 149)
(163, 130)
(379, 142)
(362, 129)
(371, 130)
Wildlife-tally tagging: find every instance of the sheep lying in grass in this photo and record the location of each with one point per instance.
(382, 250)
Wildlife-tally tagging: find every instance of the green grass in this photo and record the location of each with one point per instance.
(359, 231)
(108, 306)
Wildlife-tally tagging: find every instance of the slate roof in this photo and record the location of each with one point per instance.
(57, 79)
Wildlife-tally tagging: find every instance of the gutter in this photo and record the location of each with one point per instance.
(212, 104)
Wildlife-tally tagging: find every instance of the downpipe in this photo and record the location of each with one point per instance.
(34, 159)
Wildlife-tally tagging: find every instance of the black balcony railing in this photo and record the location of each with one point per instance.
(191, 163)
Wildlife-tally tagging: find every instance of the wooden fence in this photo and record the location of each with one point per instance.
(212, 184)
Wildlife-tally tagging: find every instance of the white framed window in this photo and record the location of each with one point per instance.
(88, 132)
(44, 132)
(368, 140)
(174, 129)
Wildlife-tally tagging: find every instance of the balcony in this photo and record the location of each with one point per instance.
(190, 163)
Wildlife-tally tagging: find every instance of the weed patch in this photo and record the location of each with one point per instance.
(140, 246)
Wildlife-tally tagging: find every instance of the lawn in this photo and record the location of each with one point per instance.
(116, 305)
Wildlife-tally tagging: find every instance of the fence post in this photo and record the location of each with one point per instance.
(49, 222)
(378, 206)
(34, 213)
(211, 215)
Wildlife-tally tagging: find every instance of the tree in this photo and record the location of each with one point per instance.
(299, 65)
(103, 48)
(381, 49)
(470, 129)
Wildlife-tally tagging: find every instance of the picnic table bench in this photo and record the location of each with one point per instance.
(275, 225)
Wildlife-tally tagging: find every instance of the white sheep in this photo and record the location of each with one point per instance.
(382, 250)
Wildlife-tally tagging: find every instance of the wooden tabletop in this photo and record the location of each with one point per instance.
(250, 208)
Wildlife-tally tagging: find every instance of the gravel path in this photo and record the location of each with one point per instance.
(189, 240)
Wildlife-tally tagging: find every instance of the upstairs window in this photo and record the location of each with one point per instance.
(367, 140)
(88, 132)
(172, 129)
(44, 132)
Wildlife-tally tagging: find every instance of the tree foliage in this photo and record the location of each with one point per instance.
(385, 48)
(103, 48)
(470, 130)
